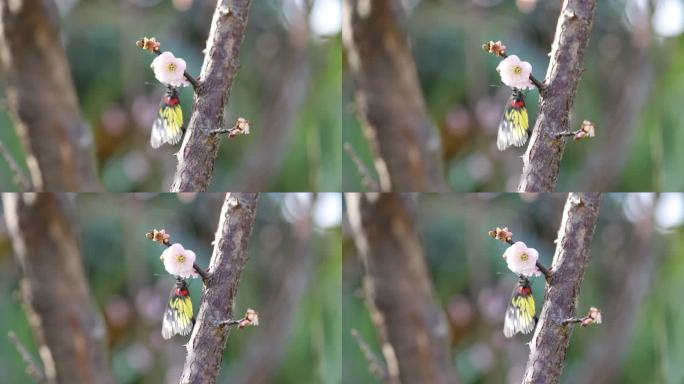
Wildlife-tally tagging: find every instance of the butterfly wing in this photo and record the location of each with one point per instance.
(514, 126)
(178, 315)
(521, 312)
(168, 126)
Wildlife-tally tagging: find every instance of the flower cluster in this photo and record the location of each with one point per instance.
(515, 73)
(170, 70)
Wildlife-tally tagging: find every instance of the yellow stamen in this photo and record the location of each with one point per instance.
(180, 259)
(517, 70)
(523, 256)
(171, 67)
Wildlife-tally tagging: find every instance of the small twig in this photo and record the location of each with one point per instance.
(586, 130)
(160, 236)
(251, 318)
(376, 367)
(19, 178)
(498, 49)
(506, 236)
(152, 45)
(32, 367)
(241, 127)
(593, 317)
(367, 180)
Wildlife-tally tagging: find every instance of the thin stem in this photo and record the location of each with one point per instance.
(22, 181)
(375, 365)
(32, 367)
(366, 178)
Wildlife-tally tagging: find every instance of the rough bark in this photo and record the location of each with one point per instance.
(541, 162)
(573, 252)
(57, 140)
(200, 147)
(409, 320)
(208, 340)
(258, 170)
(69, 330)
(404, 141)
(291, 270)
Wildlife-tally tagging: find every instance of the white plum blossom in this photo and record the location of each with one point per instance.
(179, 261)
(169, 69)
(522, 260)
(515, 73)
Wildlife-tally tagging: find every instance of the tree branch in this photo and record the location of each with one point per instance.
(208, 340)
(541, 162)
(405, 142)
(68, 328)
(573, 252)
(200, 147)
(409, 320)
(42, 98)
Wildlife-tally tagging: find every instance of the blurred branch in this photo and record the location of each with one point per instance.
(573, 252)
(368, 182)
(57, 140)
(68, 328)
(631, 275)
(605, 165)
(376, 367)
(32, 368)
(200, 147)
(258, 170)
(408, 318)
(541, 162)
(290, 270)
(22, 182)
(405, 142)
(208, 340)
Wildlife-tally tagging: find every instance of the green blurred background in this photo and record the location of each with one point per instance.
(119, 95)
(635, 276)
(131, 287)
(632, 89)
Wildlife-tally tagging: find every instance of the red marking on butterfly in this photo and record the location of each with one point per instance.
(524, 290)
(171, 101)
(517, 104)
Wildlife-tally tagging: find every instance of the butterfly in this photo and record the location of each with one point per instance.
(514, 126)
(521, 313)
(168, 126)
(178, 316)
